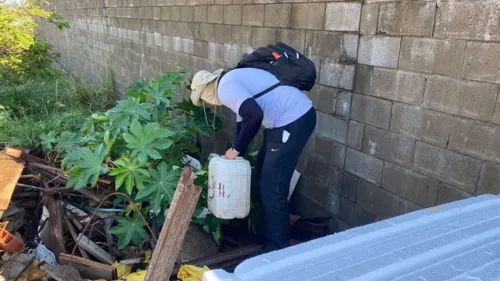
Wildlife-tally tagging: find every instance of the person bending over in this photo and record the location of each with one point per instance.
(289, 119)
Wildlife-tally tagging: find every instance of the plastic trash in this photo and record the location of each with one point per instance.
(42, 254)
(229, 187)
(191, 272)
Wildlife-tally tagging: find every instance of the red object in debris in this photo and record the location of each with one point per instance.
(9, 242)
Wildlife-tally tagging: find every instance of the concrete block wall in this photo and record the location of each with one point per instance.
(406, 96)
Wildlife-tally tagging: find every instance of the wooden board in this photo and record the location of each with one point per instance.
(89, 269)
(174, 228)
(10, 171)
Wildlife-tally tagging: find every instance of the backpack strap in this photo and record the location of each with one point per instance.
(267, 90)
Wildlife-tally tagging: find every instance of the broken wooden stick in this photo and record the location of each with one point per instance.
(89, 269)
(94, 249)
(72, 231)
(174, 228)
(56, 224)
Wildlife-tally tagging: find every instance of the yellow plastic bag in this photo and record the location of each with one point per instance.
(191, 273)
(139, 275)
(122, 269)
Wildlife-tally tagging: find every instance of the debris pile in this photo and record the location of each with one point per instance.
(51, 232)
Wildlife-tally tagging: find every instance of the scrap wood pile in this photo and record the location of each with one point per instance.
(56, 233)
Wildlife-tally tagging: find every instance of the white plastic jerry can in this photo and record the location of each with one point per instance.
(229, 187)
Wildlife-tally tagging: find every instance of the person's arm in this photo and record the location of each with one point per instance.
(252, 116)
(249, 114)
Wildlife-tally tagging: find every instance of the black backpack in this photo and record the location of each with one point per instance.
(288, 65)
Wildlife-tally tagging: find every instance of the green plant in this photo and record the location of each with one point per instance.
(140, 144)
(35, 110)
(17, 31)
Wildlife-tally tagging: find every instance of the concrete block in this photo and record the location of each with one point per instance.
(331, 152)
(496, 116)
(389, 146)
(483, 62)
(475, 139)
(188, 46)
(324, 44)
(343, 104)
(233, 14)
(436, 56)
(410, 185)
(448, 166)
(308, 16)
(369, 17)
(242, 2)
(253, 15)
(215, 51)
(331, 127)
(177, 44)
(265, 1)
(332, 204)
(362, 216)
(337, 75)
(175, 13)
(262, 36)
(448, 193)
(355, 135)
(278, 15)
(379, 51)
(241, 35)
(294, 38)
(346, 210)
(398, 85)
(364, 166)
(325, 100)
(477, 20)
(156, 13)
(407, 18)
(232, 54)
(470, 99)
(201, 49)
(349, 186)
(207, 32)
(372, 111)
(363, 79)
(323, 173)
(222, 33)
(200, 13)
(422, 124)
(350, 44)
(215, 14)
(378, 201)
(343, 16)
(489, 180)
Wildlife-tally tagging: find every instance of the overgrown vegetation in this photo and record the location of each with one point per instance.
(138, 141)
(139, 144)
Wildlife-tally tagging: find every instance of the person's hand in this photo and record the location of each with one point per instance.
(231, 154)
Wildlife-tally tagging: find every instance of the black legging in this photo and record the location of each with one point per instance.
(276, 162)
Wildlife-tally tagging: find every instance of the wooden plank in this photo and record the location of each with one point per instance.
(10, 171)
(72, 231)
(94, 249)
(19, 153)
(221, 260)
(56, 225)
(174, 228)
(89, 269)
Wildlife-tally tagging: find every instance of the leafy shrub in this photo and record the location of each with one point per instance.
(18, 30)
(140, 144)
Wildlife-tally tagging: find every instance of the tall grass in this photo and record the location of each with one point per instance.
(43, 104)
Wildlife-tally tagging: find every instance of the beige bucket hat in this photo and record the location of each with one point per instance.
(202, 88)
